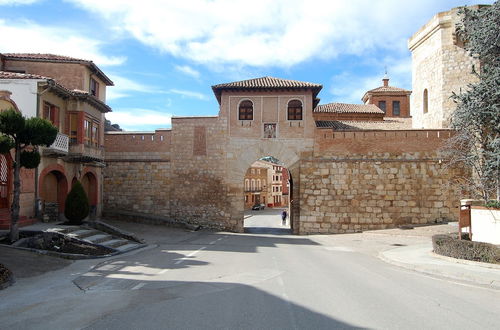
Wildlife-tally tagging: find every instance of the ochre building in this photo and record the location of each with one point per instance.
(71, 93)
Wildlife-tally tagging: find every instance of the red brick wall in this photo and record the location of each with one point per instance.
(404, 102)
(159, 141)
(366, 142)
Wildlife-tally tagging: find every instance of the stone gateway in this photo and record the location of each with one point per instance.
(347, 176)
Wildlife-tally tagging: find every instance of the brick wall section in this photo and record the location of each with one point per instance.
(374, 180)
(404, 104)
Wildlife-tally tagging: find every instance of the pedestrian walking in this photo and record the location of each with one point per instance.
(284, 215)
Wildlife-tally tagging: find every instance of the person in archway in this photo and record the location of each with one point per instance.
(284, 215)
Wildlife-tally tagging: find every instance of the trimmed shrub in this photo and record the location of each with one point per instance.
(493, 204)
(77, 205)
(462, 249)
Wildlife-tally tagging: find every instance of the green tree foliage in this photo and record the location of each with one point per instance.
(24, 136)
(477, 117)
(77, 206)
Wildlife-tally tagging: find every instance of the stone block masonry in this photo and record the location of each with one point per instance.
(374, 180)
(359, 193)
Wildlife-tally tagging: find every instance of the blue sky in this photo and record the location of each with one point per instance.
(164, 56)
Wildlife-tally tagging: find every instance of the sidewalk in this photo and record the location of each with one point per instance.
(417, 255)
(420, 258)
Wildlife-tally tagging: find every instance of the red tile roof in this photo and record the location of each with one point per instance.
(59, 59)
(387, 90)
(389, 123)
(266, 83)
(347, 108)
(83, 95)
(15, 75)
(48, 57)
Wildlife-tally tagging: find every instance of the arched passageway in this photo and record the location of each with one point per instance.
(89, 183)
(54, 188)
(266, 187)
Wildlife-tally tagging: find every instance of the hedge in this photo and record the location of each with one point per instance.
(463, 249)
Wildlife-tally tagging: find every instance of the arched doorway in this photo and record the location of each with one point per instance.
(266, 187)
(54, 189)
(89, 183)
(5, 180)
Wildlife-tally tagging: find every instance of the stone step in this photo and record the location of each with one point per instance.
(84, 233)
(114, 243)
(98, 238)
(129, 246)
(65, 230)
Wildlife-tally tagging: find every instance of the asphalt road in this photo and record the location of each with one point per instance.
(207, 280)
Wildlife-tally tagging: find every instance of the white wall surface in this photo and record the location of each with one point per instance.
(24, 94)
(485, 225)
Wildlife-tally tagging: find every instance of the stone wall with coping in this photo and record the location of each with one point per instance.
(137, 177)
(374, 180)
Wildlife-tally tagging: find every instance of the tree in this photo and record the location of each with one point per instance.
(76, 207)
(24, 136)
(477, 117)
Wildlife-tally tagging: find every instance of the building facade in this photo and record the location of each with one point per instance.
(71, 94)
(440, 67)
(256, 185)
(393, 101)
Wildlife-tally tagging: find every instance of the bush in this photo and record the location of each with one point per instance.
(6, 277)
(462, 249)
(77, 205)
(493, 204)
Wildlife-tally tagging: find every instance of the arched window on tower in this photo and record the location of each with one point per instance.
(425, 101)
(245, 110)
(295, 110)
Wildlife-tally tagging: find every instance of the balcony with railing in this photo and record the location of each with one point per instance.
(253, 190)
(85, 153)
(60, 147)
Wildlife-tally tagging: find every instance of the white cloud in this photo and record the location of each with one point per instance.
(267, 33)
(28, 37)
(347, 87)
(17, 2)
(187, 70)
(125, 87)
(129, 119)
(189, 94)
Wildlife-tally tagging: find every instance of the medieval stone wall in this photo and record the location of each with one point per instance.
(137, 177)
(199, 191)
(374, 180)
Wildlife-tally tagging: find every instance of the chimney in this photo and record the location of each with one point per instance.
(386, 81)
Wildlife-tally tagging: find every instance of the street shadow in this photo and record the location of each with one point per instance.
(268, 230)
(214, 305)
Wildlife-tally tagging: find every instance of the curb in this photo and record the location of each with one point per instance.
(465, 262)
(495, 285)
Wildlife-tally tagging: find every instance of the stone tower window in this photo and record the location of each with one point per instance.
(245, 110)
(426, 101)
(294, 110)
